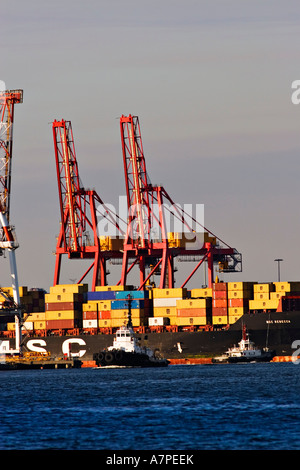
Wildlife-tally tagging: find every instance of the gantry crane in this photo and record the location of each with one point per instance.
(79, 209)
(8, 239)
(147, 242)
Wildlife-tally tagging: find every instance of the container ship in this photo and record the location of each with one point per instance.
(77, 321)
(177, 323)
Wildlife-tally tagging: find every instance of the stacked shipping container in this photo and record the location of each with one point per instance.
(219, 303)
(72, 306)
(63, 306)
(239, 294)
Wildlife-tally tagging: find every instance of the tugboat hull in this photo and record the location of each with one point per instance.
(265, 357)
(127, 359)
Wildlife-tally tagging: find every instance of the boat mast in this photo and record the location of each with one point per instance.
(129, 322)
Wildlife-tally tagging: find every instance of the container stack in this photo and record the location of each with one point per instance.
(220, 303)
(107, 307)
(194, 312)
(165, 305)
(262, 297)
(63, 306)
(32, 301)
(96, 312)
(239, 294)
(288, 295)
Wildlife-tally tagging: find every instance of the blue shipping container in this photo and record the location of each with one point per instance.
(104, 295)
(123, 304)
(134, 294)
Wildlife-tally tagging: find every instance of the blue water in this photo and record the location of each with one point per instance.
(222, 406)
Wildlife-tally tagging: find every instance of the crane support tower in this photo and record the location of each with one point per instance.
(79, 209)
(147, 242)
(8, 99)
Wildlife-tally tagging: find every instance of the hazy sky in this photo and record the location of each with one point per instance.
(211, 84)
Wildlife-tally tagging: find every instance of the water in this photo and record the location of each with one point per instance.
(222, 406)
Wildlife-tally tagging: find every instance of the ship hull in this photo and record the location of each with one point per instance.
(279, 331)
(126, 359)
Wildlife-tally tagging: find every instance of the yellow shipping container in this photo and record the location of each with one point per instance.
(104, 323)
(117, 322)
(180, 292)
(104, 304)
(219, 320)
(262, 295)
(63, 315)
(240, 285)
(39, 316)
(287, 286)
(90, 306)
(135, 313)
(23, 290)
(69, 289)
(233, 318)
(60, 297)
(39, 325)
(193, 303)
(276, 295)
(110, 288)
(111, 243)
(189, 321)
(201, 293)
(237, 311)
(263, 304)
(268, 287)
(164, 311)
(239, 294)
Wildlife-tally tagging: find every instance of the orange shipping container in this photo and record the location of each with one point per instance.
(191, 312)
(104, 315)
(220, 294)
(219, 303)
(238, 302)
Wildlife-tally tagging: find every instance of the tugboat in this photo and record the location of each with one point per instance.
(246, 352)
(126, 352)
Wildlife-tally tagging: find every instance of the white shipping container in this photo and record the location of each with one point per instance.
(28, 325)
(159, 321)
(165, 302)
(90, 323)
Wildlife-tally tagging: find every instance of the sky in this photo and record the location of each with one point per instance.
(210, 81)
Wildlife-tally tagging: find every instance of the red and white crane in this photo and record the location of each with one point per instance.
(147, 242)
(79, 209)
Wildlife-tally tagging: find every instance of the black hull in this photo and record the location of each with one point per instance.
(126, 359)
(277, 331)
(242, 360)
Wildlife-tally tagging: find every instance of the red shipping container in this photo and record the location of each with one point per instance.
(219, 311)
(219, 294)
(217, 286)
(62, 324)
(90, 315)
(104, 315)
(52, 306)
